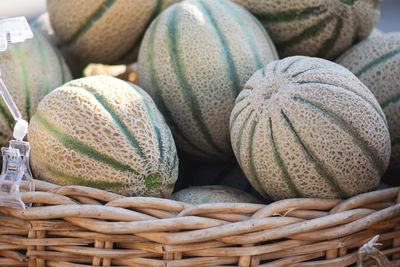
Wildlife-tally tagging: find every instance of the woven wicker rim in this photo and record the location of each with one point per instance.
(143, 231)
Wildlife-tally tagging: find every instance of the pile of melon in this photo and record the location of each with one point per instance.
(281, 99)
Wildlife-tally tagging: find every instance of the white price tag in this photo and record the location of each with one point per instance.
(14, 30)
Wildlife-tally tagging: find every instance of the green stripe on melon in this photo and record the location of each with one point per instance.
(152, 118)
(376, 62)
(348, 128)
(252, 167)
(62, 178)
(44, 62)
(179, 69)
(117, 120)
(105, 31)
(131, 54)
(194, 64)
(103, 132)
(285, 174)
(158, 93)
(30, 70)
(323, 28)
(90, 21)
(291, 15)
(75, 144)
(319, 131)
(25, 78)
(319, 165)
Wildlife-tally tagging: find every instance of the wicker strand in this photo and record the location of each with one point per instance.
(76, 226)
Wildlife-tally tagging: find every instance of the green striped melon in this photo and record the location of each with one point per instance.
(307, 127)
(103, 31)
(30, 70)
(376, 62)
(321, 28)
(106, 133)
(194, 60)
(196, 195)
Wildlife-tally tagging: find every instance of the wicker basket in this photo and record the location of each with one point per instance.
(81, 226)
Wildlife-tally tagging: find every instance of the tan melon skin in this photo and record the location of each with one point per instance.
(196, 195)
(335, 146)
(383, 79)
(76, 113)
(358, 20)
(33, 66)
(205, 70)
(110, 36)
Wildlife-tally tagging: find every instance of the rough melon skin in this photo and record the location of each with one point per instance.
(307, 127)
(106, 133)
(103, 31)
(194, 60)
(196, 195)
(376, 62)
(321, 28)
(30, 70)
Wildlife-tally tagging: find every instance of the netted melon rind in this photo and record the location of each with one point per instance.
(320, 28)
(102, 31)
(30, 70)
(196, 195)
(307, 127)
(194, 59)
(376, 62)
(103, 132)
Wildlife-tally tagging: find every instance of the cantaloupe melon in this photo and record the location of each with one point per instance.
(103, 31)
(103, 132)
(194, 60)
(307, 127)
(196, 195)
(30, 70)
(321, 28)
(376, 62)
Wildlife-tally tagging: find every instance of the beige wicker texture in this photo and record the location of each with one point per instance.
(79, 226)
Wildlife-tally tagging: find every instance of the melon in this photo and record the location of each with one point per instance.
(194, 60)
(376, 62)
(322, 28)
(30, 70)
(105, 133)
(307, 127)
(102, 31)
(196, 195)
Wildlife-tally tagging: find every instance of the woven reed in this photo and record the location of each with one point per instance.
(81, 226)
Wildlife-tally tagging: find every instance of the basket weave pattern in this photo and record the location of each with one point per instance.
(81, 226)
